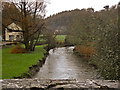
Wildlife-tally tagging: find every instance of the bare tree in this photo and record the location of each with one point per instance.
(31, 20)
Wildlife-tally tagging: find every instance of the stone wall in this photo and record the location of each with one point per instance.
(59, 84)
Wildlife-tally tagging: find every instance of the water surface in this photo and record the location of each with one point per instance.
(63, 64)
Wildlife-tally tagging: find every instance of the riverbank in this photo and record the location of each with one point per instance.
(85, 52)
(23, 65)
(89, 54)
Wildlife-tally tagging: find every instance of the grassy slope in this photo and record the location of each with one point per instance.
(14, 65)
(60, 38)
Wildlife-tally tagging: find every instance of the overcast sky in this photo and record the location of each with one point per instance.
(55, 6)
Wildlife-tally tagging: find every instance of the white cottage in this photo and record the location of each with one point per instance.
(13, 36)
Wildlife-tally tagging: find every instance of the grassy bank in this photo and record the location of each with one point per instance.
(13, 65)
(60, 38)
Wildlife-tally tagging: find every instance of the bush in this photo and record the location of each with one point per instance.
(84, 50)
(18, 49)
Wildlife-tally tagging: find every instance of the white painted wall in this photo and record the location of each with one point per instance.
(13, 26)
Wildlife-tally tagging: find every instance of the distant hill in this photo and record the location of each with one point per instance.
(60, 20)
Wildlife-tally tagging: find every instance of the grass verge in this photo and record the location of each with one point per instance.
(14, 65)
(60, 38)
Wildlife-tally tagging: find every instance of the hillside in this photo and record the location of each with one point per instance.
(61, 20)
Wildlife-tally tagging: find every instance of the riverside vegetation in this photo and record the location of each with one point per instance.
(95, 35)
(100, 29)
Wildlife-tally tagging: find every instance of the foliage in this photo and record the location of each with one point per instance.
(107, 44)
(84, 50)
(50, 38)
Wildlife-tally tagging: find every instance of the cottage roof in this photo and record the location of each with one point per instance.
(13, 26)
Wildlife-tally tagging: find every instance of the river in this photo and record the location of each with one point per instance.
(62, 63)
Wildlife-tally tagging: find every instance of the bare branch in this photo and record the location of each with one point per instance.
(15, 20)
(37, 29)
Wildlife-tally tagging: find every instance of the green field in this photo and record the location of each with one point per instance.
(13, 65)
(60, 38)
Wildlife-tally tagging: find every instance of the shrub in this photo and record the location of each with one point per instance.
(84, 50)
(18, 49)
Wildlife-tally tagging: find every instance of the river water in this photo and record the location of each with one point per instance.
(62, 63)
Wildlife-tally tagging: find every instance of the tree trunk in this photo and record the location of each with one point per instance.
(31, 44)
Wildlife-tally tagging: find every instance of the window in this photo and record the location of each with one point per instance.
(11, 37)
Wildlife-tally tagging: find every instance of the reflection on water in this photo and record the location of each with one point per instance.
(63, 64)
